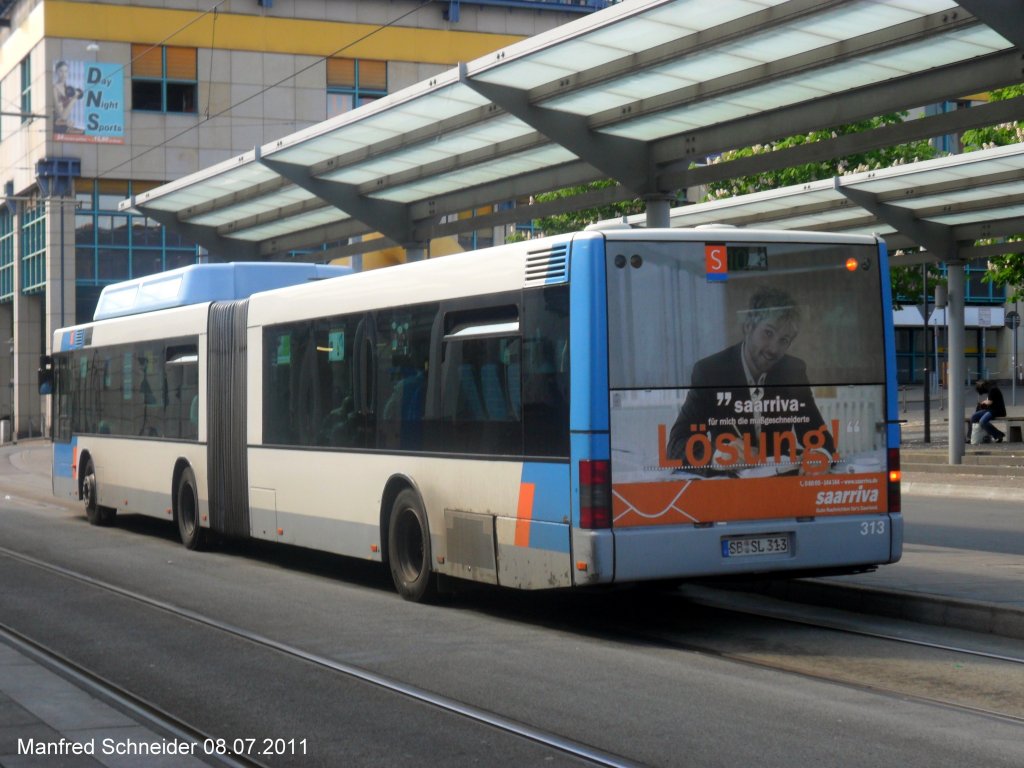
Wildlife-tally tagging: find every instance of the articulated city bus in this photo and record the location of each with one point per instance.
(604, 407)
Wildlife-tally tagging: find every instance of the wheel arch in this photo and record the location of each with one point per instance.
(394, 486)
(83, 459)
(179, 469)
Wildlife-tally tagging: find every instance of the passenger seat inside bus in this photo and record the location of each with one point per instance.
(470, 406)
(494, 394)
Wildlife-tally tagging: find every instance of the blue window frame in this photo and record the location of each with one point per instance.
(33, 249)
(354, 82)
(164, 78)
(6, 255)
(26, 89)
(111, 246)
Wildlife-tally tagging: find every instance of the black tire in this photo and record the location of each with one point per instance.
(409, 549)
(96, 514)
(186, 511)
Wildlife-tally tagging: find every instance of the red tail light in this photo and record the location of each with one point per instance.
(595, 494)
(894, 475)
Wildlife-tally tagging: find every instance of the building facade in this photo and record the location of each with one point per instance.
(102, 100)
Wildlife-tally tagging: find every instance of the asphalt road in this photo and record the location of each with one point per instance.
(540, 659)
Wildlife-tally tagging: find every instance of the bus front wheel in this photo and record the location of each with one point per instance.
(409, 548)
(187, 511)
(98, 515)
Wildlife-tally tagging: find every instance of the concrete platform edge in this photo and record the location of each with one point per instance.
(973, 616)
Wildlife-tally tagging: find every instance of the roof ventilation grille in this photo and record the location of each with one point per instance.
(549, 266)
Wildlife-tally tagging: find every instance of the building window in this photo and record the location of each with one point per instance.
(6, 255)
(26, 89)
(164, 78)
(111, 246)
(33, 249)
(354, 82)
(979, 291)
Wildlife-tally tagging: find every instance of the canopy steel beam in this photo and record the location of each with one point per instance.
(462, 161)
(626, 160)
(390, 219)
(788, 67)
(1004, 16)
(447, 127)
(220, 248)
(932, 86)
(280, 214)
(253, 192)
(937, 238)
(732, 31)
(928, 127)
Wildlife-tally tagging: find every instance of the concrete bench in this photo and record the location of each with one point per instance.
(1013, 426)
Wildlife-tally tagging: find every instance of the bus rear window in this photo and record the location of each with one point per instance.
(671, 305)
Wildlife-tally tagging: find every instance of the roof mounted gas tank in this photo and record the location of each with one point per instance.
(201, 283)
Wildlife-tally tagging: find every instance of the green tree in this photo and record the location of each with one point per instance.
(1008, 268)
(906, 281)
(826, 169)
(574, 221)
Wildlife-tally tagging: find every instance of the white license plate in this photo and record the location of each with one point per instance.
(751, 546)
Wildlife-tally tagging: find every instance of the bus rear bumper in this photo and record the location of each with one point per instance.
(825, 543)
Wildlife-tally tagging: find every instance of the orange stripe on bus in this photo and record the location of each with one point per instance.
(524, 514)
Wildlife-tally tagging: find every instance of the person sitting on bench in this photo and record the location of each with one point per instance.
(990, 407)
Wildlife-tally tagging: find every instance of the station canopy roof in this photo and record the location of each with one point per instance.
(641, 93)
(942, 204)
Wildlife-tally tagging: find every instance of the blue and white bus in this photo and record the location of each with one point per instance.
(604, 407)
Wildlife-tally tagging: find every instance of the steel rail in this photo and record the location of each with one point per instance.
(136, 707)
(837, 626)
(567, 746)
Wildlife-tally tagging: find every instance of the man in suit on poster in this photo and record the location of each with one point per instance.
(751, 405)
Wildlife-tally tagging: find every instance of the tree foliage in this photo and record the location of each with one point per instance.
(1007, 269)
(907, 287)
(574, 221)
(801, 174)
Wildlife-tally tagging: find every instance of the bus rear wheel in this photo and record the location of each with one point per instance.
(97, 515)
(409, 548)
(186, 511)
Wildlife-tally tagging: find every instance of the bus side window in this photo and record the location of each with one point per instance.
(545, 380)
(479, 412)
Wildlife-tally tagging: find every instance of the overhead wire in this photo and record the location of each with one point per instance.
(208, 117)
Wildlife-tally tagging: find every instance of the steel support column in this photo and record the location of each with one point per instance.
(957, 376)
(939, 241)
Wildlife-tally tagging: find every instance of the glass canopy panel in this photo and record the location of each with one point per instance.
(617, 93)
(972, 217)
(483, 173)
(578, 55)
(709, 15)
(779, 43)
(848, 21)
(278, 199)
(292, 224)
(656, 126)
(487, 134)
(851, 75)
(348, 132)
(317, 150)
(777, 94)
(958, 45)
(705, 66)
(640, 34)
(525, 74)
(203, 190)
